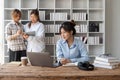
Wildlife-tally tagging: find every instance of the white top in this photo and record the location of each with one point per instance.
(35, 43)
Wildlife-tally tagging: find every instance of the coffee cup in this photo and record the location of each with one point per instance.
(24, 61)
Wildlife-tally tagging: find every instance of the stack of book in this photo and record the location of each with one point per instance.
(106, 61)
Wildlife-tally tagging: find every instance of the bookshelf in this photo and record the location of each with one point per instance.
(89, 16)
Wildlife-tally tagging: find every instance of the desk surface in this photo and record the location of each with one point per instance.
(13, 71)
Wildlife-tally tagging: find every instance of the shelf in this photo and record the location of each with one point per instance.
(7, 14)
(62, 8)
(95, 40)
(61, 20)
(97, 9)
(46, 4)
(50, 49)
(54, 56)
(24, 20)
(5, 41)
(63, 4)
(12, 4)
(6, 22)
(6, 50)
(54, 12)
(96, 15)
(29, 4)
(76, 33)
(56, 33)
(46, 8)
(48, 20)
(10, 8)
(80, 20)
(80, 9)
(96, 50)
(94, 55)
(27, 8)
(96, 3)
(82, 33)
(98, 21)
(6, 56)
(48, 15)
(96, 32)
(6, 59)
(49, 33)
(96, 45)
(49, 44)
(80, 3)
(24, 15)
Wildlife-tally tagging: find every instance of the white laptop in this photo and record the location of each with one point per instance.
(40, 59)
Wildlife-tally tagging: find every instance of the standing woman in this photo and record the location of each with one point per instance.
(69, 49)
(35, 43)
(14, 36)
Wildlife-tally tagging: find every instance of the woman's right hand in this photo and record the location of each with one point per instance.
(25, 36)
(64, 61)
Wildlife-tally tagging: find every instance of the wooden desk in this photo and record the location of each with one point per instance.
(16, 72)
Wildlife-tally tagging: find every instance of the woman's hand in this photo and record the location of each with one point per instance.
(25, 36)
(18, 33)
(64, 61)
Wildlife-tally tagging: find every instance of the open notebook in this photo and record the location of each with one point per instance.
(71, 64)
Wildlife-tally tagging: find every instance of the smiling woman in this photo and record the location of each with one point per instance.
(70, 49)
(1, 30)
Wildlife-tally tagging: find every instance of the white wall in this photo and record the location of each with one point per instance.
(1, 29)
(108, 26)
(113, 27)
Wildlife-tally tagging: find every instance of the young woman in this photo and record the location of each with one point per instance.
(69, 49)
(35, 42)
(17, 48)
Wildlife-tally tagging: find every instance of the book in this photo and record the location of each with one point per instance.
(84, 40)
(71, 64)
(42, 15)
(105, 66)
(106, 63)
(106, 58)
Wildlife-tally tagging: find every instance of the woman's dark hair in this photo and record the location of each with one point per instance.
(36, 13)
(68, 26)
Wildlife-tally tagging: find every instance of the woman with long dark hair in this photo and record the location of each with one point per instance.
(35, 42)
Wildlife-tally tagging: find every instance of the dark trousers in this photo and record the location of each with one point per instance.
(16, 55)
